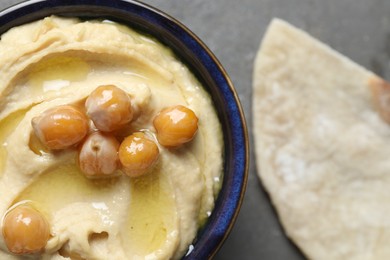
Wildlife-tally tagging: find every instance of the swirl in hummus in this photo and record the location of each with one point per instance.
(58, 61)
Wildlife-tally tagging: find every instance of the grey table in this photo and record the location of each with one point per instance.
(233, 30)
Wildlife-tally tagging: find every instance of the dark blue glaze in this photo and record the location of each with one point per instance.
(201, 62)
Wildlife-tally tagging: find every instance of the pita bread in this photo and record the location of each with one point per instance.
(322, 148)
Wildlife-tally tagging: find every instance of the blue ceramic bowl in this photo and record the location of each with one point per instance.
(190, 49)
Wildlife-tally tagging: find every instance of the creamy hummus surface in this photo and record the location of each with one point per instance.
(58, 61)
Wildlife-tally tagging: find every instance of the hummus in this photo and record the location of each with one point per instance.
(57, 61)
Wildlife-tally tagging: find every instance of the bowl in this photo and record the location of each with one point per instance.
(204, 65)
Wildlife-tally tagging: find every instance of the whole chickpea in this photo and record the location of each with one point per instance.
(60, 127)
(175, 125)
(138, 154)
(109, 107)
(98, 156)
(25, 230)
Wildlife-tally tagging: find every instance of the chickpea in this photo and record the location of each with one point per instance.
(138, 154)
(109, 107)
(175, 126)
(61, 127)
(25, 230)
(98, 156)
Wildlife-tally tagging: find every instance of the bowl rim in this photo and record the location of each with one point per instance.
(228, 203)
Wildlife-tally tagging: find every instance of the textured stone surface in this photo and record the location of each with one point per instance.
(233, 30)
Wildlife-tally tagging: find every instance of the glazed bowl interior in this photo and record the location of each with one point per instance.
(205, 67)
